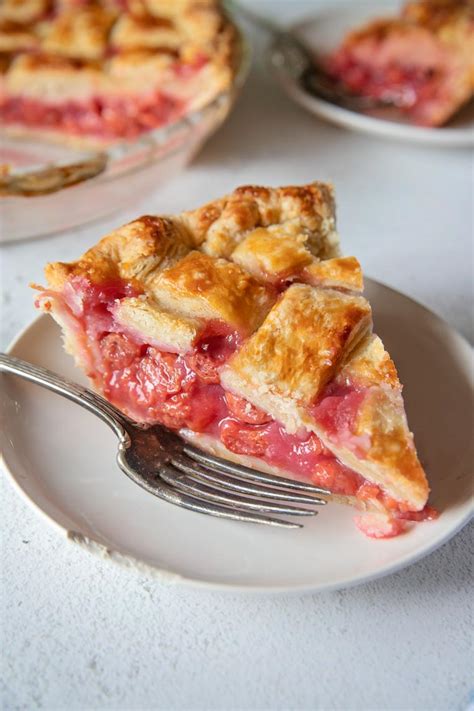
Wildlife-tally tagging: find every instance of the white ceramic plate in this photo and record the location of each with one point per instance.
(62, 460)
(323, 33)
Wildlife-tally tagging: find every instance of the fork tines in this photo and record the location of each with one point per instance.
(239, 491)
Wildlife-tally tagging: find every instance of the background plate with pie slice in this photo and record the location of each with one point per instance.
(62, 460)
(323, 33)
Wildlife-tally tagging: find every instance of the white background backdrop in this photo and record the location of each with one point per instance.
(79, 633)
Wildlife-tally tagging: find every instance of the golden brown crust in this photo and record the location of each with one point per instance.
(39, 75)
(272, 253)
(15, 38)
(150, 243)
(339, 273)
(24, 12)
(308, 209)
(168, 331)
(79, 33)
(169, 8)
(132, 252)
(208, 288)
(439, 15)
(370, 365)
(382, 419)
(132, 32)
(450, 21)
(297, 350)
(314, 334)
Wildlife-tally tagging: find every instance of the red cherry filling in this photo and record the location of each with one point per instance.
(379, 525)
(336, 413)
(118, 351)
(243, 439)
(404, 85)
(214, 348)
(409, 87)
(107, 117)
(244, 411)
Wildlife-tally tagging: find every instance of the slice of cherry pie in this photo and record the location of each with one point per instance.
(422, 61)
(93, 72)
(240, 325)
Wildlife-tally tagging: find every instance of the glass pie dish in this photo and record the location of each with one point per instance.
(47, 188)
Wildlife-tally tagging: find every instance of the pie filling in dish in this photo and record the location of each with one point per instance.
(421, 62)
(98, 72)
(240, 325)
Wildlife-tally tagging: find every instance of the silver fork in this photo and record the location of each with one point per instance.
(163, 463)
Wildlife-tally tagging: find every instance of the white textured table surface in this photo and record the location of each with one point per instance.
(79, 633)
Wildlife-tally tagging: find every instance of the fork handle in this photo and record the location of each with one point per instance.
(72, 391)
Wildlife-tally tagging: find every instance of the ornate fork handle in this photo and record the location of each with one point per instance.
(72, 391)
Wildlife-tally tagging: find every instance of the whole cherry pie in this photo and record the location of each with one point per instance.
(240, 325)
(422, 61)
(93, 72)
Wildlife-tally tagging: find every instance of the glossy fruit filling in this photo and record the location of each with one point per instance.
(103, 117)
(106, 118)
(410, 88)
(184, 391)
(336, 413)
